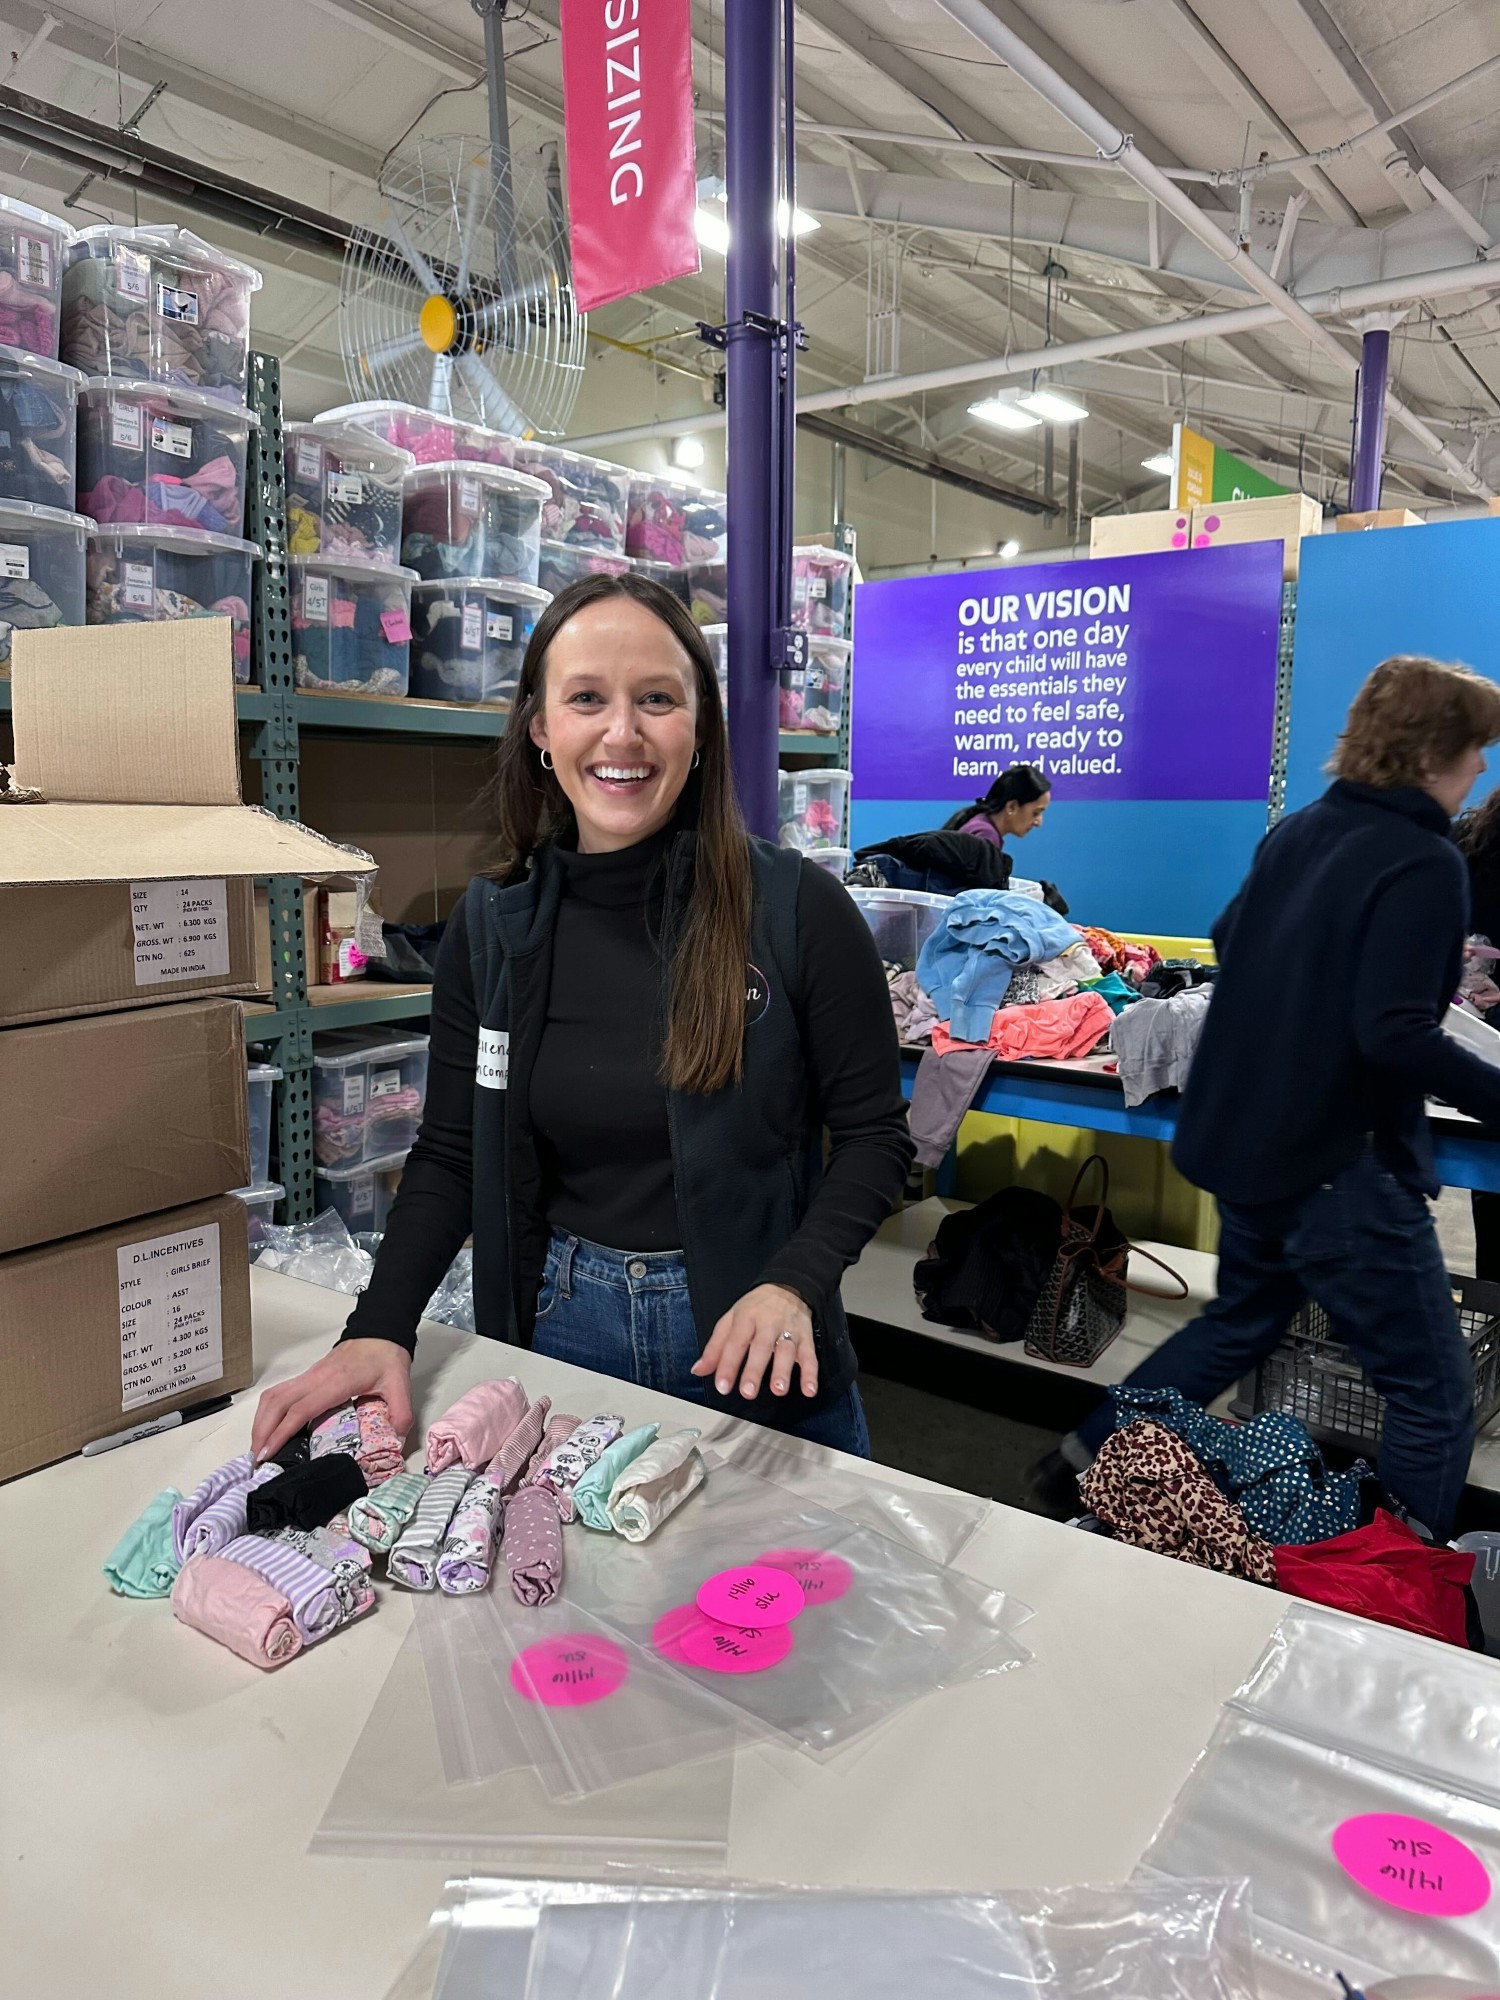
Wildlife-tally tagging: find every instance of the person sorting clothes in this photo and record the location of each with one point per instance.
(642, 1024)
(1478, 837)
(968, 850)
(1304, 1111)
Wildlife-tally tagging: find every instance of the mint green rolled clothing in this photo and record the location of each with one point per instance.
(591, 1494)
(143, 1563)
(377, 1520)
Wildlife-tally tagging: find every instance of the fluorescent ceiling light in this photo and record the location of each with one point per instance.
(1009, 549)
(1053, 406)
(712, 224)
(687, 452)
(1159, 461)
(1004, 412)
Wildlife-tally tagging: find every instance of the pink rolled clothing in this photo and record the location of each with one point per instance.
(239, 1608)
(513, 1457)
(560, 1425)
(379, 1453)
(477, 1425)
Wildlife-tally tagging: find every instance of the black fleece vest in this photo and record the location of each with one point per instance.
(746, 1159)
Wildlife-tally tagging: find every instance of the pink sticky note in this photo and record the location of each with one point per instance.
(1412, 1864)
(823, 1577)
(396, 627)
(755, 1594)
(666, 1633)
(569, 1672)
(734, 1649)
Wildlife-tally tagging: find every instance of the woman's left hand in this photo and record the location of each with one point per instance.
(750, 1338)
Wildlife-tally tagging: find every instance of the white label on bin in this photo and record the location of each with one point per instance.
(177, 305)
(15, 559)
(354, 1092)
(362, 1195)
(181, 930)
(309, 459)
(384, 1083)
(176, 440)
(315, 600)
(138, 592)
(468, 496)
(134, 270)
(346, 489)
(171, 1329)
(125, 430)
(34, 261)
(799, 798)
(817, 587)
(473, 632)
(493, 1067)
(500, 625)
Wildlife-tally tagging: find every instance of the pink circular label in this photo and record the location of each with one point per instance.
(1202, 541)
(569, 1672)
(756, 1595)
(734, 1649)
(666, 1633)
(1412, 1864)
(823, 1577)
(1213, 524)
(1179, 541)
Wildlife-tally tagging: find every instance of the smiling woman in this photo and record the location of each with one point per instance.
(643, 1024)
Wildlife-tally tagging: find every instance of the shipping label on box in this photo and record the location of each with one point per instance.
(181, 930)
(171, 1330)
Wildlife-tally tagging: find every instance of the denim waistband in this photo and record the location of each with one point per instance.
(626, 1270)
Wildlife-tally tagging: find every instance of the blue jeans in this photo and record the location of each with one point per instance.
(1364, 1248)
(627, 1313)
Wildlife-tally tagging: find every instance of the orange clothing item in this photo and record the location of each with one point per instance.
(1053, 1028)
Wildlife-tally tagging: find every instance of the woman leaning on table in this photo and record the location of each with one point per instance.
(642, 1024)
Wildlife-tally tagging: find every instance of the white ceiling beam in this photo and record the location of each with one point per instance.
(457, 62)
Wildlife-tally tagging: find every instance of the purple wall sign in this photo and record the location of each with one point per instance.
(1134, 677)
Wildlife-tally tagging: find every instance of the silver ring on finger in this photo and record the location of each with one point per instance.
(785, 1334)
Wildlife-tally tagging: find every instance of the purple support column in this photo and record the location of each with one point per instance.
(1369, 435)
(751, 98)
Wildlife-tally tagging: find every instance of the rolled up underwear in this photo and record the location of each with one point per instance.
(513, 1457)
(474, 1429)
(413, 1560)
(238, 1607)
(308, 1496)
(559, 1426)
(573, 1457)
(224, 1518)
(321, 1599)
(144, 1562)
(532, 1548)
(378, 1520)
(327, 1547)
(468, 1551)
(338, 1431)
(591, 1494)
(380, 1455)
(223, 1479)
(655, 1485)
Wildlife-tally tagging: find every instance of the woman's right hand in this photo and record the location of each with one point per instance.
(354, 1368)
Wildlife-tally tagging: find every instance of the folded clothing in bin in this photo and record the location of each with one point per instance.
(33, 248)
(170, 455)
(158, 304)
(343, 493)
(469, 637)
(561, 563)
(588, 497)
(472, 520)
(140, 573)
(41, 569)
(38, 428)
(351, 625)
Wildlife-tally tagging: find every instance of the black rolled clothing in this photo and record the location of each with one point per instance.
(1337, 962)
(308, 1496)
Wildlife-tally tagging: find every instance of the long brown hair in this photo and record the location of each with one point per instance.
(704, 1044)
(1414, 717)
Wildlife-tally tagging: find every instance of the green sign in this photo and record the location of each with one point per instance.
(1206, 472)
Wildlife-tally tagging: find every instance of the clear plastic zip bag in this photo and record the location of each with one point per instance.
(1355, 1779)
(555, 1941)
(882, 1626)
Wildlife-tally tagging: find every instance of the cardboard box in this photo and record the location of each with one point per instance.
(1140, 534)
(1381, 517)
(119, 1115)
(102, 1331)
(1279, 517)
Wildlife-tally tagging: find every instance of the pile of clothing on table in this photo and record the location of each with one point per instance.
(271, 1559)
(1257, 1501)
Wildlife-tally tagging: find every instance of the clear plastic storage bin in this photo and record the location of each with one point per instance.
(561, 563)
(901, 921)
(175, 457)
(158, 304)
(588, 498)
(674, 522)
(472, 520)
(137, 574)
(260, 1082)
(38, 428)
(351, 625)
(343, 493)
(429, 438)
(361, 1195)
(834, 861)
(260, 1203)
(821, 583)
(717, 639)
(477, 444)
(368, 1092)
(708, 592)
(813, 808)
(33, 250)
(665, 574)
(812, 697)
(469, 637)
(42, 570)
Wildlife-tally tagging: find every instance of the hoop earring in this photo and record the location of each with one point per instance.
(697, 758)
(546, 759)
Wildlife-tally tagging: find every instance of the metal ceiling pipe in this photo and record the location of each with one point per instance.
(1098, 347)
(1114, 144)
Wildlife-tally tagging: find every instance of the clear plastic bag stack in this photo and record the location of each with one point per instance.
(1186, 1941)
(1356, 1740)
(320, 1252)
(452, 1304)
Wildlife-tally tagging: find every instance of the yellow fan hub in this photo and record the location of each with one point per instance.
(438, 323)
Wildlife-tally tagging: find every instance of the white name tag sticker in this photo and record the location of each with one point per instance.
(493, 1067)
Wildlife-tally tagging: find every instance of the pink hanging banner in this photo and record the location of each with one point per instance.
(632, 174)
